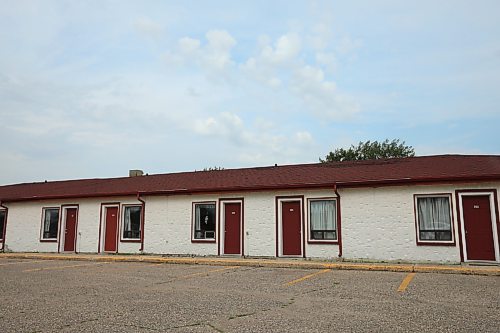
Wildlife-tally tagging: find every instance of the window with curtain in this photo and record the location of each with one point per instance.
(434, 218)
(132, 222)
(50, 223)
(204, 221)
(2, 222)
(323, 219)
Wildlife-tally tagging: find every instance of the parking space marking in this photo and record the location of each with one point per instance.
(62, 267)
(406, 282)
(306, 277)
(208, 272)
(22, 262)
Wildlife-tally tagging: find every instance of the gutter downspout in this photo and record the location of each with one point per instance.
(143, 203)
(4, 231)
(339, 220)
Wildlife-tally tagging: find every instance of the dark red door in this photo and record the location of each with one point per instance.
(111, 235)
(478, 229)
(70, 231)
(232, 228)
(291, 226)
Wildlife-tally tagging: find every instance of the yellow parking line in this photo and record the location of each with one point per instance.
(406, 282)
(22, 262)
(307, 277)
(208, 272)
(62, 267)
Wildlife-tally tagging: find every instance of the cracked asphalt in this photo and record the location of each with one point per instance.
(70, 296)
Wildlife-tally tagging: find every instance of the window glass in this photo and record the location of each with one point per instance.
(434, 220)
(50, 223)
(132, 222)
(323, 219)
(2, 222)
(204, 221)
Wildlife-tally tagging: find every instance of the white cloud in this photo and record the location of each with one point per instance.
(286, 48)
(321, 95)
(188, 45)
(328, 60)
(347, 45)
(226, 125)
(213, 58)
(218, 51)
(304, 137)
(148, 27)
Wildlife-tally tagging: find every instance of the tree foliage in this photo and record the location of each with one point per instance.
(370, 151)
(215, 168)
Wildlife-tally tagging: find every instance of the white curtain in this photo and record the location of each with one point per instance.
(434, 213)
(197, 218)
(323, 215)
(127, 224)
(49, 216)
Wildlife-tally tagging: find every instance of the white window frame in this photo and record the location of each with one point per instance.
(309, 224)
(102, 226)
(44, 212)
(62, 224)
(222, 204)
(122, 224)
(193, 222)
(493, 223)
(417, 220)
(280, 201)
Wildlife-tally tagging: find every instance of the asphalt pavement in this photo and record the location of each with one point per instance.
(44, 295)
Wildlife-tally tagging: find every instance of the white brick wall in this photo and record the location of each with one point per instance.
(377, 223)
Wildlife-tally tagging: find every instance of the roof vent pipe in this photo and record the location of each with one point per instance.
(135, 173)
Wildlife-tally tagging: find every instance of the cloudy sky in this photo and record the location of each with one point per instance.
(95, 88)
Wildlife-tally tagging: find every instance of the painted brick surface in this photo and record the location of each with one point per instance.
(377, 223)
(168, 226)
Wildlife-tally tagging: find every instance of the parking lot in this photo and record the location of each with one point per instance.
(75, 296)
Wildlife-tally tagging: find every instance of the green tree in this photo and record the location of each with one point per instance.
(215, 168)
(371, 151)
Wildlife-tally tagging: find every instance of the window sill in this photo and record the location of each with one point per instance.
(130, 240)
(435, 243)
(202, 240)
(51, 240)
(315, 241)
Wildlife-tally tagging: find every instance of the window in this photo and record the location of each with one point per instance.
(323, 220)
(50, 223)
(204, 221)
(434, 219)
(132, 222)
(2, 222)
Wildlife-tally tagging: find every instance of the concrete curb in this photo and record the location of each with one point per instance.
(273, 263)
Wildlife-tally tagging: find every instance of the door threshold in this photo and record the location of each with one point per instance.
(481, 263)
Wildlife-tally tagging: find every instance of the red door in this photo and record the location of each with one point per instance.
(478, 228)
(291, 226)
(111, 233)
(70, 230)
(232, 228)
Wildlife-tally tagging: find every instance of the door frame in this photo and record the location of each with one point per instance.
(62, 226)
(279, 225)
(102, 226)
(493, 199)
(222, 225)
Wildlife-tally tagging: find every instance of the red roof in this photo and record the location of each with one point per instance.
(342, 174)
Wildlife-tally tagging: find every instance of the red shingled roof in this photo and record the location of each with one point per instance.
(343, 174)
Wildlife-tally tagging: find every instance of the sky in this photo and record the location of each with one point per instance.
(92, 89)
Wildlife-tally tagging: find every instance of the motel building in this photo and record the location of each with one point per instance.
(421, 209)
